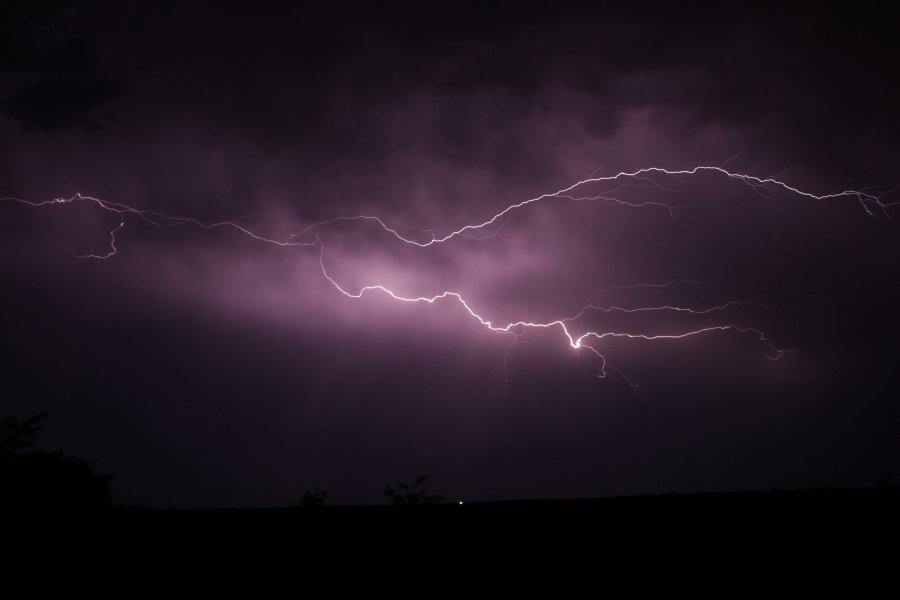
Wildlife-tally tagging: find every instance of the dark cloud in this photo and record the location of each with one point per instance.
(57, 80)
(60, 105)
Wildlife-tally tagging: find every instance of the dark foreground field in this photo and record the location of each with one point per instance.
(782, 525)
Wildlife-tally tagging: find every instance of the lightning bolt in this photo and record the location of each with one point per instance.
(577, 337)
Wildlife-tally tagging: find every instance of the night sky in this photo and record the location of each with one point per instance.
(212, 362)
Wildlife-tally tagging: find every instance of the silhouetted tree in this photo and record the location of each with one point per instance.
(33, 479)
(406, 494)
(312, 498)
(16, 435)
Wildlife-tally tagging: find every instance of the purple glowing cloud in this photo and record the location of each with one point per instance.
(576, 329)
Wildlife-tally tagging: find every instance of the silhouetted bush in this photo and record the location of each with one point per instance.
(312, 498)
(33, 479)
(406, 494)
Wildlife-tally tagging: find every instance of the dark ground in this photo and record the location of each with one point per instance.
(778, 527)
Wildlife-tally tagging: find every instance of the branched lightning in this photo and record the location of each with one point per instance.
(578, 337)
(869, 201)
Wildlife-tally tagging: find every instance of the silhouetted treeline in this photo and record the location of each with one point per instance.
(36, 480)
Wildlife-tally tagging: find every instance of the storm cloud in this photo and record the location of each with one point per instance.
(205, 367)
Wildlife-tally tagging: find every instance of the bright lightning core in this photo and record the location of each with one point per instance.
(578, 329)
